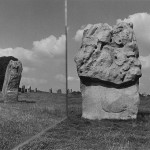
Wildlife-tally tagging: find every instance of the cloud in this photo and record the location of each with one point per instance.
(72, 78)
(79, 34)
(18, 52)
(51, 46)
(145, 61)
(62, 78)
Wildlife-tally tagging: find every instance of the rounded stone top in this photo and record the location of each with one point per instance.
(109, 53)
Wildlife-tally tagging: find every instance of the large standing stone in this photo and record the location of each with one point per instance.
(109, 71)
(12, 81)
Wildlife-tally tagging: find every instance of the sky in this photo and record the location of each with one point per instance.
(33, 31)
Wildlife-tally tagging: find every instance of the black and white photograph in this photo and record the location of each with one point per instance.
(74, 74)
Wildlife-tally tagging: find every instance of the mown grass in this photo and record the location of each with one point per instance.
(33, 113)
(76, 133)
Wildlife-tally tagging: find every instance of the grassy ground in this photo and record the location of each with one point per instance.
(76, 133)
(33, 113)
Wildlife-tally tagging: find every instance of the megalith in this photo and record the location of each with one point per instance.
(50, 90)
(59, 91)
(109, 71)
(35, 90)
(23, 89)
(29, 89)
(4, 61)
(12, 81)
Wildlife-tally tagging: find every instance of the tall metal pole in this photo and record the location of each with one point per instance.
(66, 33)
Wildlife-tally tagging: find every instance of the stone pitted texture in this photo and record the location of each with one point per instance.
(109, 54)
(109, 70)
(12, 81)
(4, 61)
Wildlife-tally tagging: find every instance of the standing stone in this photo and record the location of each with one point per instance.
(50, 90)
(29, 89)
(12, 81)
(59, 91)
(68, 91)
(35, 90)
(109, 71)
(19, 90)
(4, 61)
(23, 89)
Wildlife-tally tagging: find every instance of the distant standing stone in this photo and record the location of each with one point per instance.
(50, 90)
(12, 81)
(35, 90)
(29, 89)
(59, 91)
(23, 89)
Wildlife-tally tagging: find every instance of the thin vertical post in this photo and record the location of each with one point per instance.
(66, 33)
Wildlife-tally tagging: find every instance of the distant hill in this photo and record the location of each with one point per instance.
(4, 61)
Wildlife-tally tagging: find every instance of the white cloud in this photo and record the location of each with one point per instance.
(62, 78)
(51, 46)
(18, 52)
(79, 33)
(145, 61)
(72, 78)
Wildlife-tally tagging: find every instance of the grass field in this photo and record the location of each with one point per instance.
(33, 113)
(76, 133)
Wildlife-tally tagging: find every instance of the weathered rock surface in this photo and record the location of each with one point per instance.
(4, 61)
(12, 81)
(109, 70)
(109, 54)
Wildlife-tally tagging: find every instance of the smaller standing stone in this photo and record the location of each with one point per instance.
(35, 90)
(12, 81)
(29, 89)
(68, 91)
(50, 90)
(19, 89)
(23, 89)
(59, 91)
